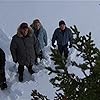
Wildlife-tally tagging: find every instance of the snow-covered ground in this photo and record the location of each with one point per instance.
(22, 91)
(12, 13)
(39, 81)
(83, 14)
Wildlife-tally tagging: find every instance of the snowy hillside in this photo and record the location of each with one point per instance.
(83, 13)
(22, 91)
(39, 81)
(4, 42)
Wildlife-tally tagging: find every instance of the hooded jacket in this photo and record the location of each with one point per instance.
(24, 49)
(42, 36)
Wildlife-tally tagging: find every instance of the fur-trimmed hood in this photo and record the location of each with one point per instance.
(24, 50)
(30, 32)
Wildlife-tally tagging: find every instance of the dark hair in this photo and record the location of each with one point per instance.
(61, 22)
(23, 25)
(36, 21)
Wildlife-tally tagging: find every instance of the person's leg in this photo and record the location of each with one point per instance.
(2, 75)
(60, 48)
(30, 69)
(36, 62)
(65, 51)
(3, 84)
(41, 55)
(20, 72)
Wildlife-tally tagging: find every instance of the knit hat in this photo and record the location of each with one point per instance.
(23, 25)
(61, 22)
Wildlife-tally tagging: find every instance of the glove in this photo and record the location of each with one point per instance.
(15, 61)
(53, 45)
(70, 46)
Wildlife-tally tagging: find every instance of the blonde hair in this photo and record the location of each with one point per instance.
(34, 22)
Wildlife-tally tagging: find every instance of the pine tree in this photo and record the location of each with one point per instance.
(73, 87)
(37, 96)
(70, 86)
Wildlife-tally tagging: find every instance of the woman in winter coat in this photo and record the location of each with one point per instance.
(41, 35)
(24, 47)
(3, 84)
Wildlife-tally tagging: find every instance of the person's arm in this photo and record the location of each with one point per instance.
(70, 38)
(13, 48)
(54, 38)
(36, 45)
(45, 37)
(2, 58)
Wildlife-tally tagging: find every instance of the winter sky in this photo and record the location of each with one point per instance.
(83, 13)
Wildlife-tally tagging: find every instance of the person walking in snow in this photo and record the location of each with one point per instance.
(24, 47)
(41, 35)
(3, 83)
(63, 36)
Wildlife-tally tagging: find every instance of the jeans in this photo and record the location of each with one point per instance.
(63, 49)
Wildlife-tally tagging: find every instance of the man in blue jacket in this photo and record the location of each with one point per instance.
(64, 38)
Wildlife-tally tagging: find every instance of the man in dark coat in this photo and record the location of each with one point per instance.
(63, 36)
(3, 84)
(24, 47)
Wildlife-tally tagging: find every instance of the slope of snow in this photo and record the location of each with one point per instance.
(22, 91)
(4, 42)
(39, 81)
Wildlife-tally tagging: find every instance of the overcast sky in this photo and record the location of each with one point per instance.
(84, 14)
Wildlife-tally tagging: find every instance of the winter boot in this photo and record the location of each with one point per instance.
(3, 86)
(30, 70)
(20, 72)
